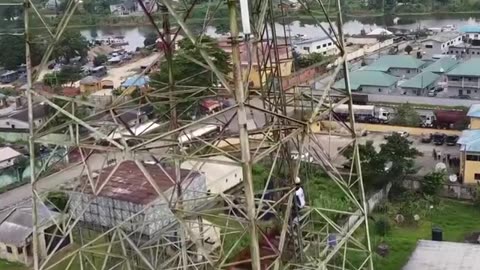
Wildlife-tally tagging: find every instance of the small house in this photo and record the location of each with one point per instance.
(16, 230)
(375, 82)
(9, 76)
(18, 119)
(8, 157)
(90, 84)
(403, 66)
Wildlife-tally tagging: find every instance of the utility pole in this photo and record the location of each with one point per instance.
(356, 153)
(31, 140)
(244, 143)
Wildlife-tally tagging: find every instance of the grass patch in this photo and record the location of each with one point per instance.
(455, 218)
(6, 265)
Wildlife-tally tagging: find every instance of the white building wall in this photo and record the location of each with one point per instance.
(325, 46)
(17, 124)
(404, 72)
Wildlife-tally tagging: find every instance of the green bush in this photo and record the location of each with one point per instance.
(432, 183)
(58, 199)
(382, 226)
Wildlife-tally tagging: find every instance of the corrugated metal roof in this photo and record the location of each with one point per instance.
(136, 81)
(442, 65)
(474, 111)
(444, 36)
(467, 68)
(16, 224)
(422, 80)
(361, 78)
(470, 29)
(387, 62)
(7, 153)
(128, 183)
(470, 140)
(441, 255)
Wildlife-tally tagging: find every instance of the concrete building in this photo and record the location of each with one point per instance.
(421, 84)
(16, 233)
(464, 51)
(471, 34)
(256, 68)
(436, 255)
(18, 119)
(403, 66)
(464, 79)
(442, 65)
(220, 177)
(474, 115)
(470, 156)
(126, 191)
(439, 43)
(369, 82)
(8, 156)
(323, 45)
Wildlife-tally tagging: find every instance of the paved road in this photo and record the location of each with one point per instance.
(422, 100)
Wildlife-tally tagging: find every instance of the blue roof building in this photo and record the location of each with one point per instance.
(136, 81)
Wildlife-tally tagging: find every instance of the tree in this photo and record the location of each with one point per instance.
(432, 183)
(100, 60)
(72, 44)
(408, 49)
(187, 72)
(309, 60)
(68, 74)
(150, 39)
(406, 116)
(397, 151)
(12, 51)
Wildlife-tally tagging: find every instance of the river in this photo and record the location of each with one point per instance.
(135, 35)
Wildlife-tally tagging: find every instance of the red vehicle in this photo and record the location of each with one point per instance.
(450, 119)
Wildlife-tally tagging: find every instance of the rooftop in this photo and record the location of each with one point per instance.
(470, 29)
(380, 31)
(444, 36)
(442, 65)
(89, 80)
(421, 80)
(128, 183)
(310, 40)
(470, 140)
(361, 78)
(474, 111)
(470, 67)
(387, 62)
(441, 255)
(7, 153)
(16, 224)
(136, 80)
(39, 111)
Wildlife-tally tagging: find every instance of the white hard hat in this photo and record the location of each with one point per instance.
(297, 180)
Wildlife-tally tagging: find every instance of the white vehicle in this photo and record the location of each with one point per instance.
(364, 113)
(402, 134)
(192, 134)
(305, 156)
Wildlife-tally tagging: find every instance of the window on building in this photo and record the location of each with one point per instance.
(324, 45)
(428, 46)
(324, 53)
(318, 47)
(408, 71)
(20, 250)
(9, 250)
(330, 44)
(473, 158)
(475, 36)
(459, 38)
(456, 51)
(469, 92)
(379, 89)
(306, 49)
(476, 176)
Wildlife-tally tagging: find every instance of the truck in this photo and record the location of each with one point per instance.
(363, 113)
(450, 119)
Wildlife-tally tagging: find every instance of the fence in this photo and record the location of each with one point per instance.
(450, 190)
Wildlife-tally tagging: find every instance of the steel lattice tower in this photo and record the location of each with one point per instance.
(139, 235)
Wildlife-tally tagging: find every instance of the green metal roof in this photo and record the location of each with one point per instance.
(421, 80)
(367, 78)
(442, 65)
(467, 68)
(387, 62)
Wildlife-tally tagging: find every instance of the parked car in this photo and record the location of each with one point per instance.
(426, 138)
(452, 140)
(464, 97)
(402, 134)
(439, 138)
(432, 93)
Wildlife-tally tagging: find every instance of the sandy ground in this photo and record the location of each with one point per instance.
(425, 163)
(119, 74)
